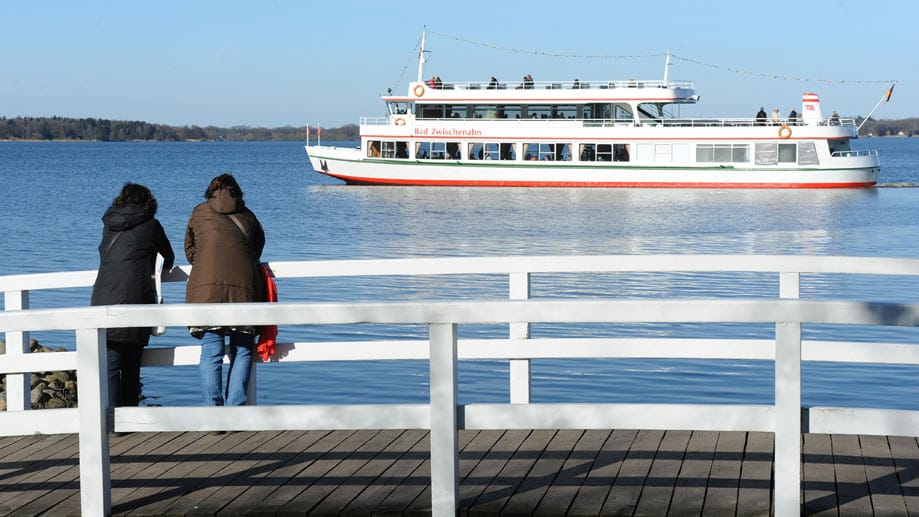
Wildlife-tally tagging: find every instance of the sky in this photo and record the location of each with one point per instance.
(288, 63)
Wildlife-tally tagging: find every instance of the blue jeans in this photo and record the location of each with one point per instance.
(210, 368)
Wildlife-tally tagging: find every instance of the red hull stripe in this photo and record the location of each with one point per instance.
(607, 184)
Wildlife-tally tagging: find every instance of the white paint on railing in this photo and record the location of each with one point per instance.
(519, 287)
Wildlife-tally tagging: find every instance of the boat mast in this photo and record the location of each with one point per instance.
(421, 56)
(667, 68)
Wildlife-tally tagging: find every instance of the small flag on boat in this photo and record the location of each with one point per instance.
(318, 130)
(889, 93)
(307, 130)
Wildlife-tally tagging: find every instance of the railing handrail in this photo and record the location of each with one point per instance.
(810, 264)
(590, 122)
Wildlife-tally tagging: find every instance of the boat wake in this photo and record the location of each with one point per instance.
(898, 185)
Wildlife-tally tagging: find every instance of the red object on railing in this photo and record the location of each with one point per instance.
(267, 336)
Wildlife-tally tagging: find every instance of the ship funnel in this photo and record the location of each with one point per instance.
(811, 113)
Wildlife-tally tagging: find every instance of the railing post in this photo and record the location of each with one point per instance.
(95, 474)
(519, 287)
(788, 406)
(18, 385)
(444, 434)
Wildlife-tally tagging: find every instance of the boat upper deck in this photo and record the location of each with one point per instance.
(550, 91)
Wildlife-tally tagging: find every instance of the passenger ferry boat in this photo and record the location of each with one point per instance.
(611, 133)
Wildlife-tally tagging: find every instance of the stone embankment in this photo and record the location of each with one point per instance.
(50, 390)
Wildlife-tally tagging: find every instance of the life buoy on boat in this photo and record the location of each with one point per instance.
(784, 132)
(418, 90)
(399, 121)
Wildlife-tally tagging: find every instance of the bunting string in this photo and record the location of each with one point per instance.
(733, 69)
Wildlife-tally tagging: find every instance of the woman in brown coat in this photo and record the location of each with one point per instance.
(223, 243)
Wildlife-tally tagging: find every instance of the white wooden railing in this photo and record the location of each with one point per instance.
(443, 416)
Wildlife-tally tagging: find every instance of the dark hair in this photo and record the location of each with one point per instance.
(224, 181)
(138, 195)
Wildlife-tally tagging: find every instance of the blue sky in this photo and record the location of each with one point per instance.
(278, 63)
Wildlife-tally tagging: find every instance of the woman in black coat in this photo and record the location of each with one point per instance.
(131, 239)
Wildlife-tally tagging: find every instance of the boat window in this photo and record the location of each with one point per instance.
(492, 151)
(766, 154)
(398, 108)
(598, 111)
(546, 111)
(708, 153)
(623, 113)
(389, 149)
(509, 111)
(620, 152)
(373, 149)
(437, 150)
(604, 152)
(838, 146)
(547, 152)
(788, 153)
(436, 111)
(807, 154)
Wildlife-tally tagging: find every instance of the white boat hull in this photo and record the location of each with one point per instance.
(349, 165)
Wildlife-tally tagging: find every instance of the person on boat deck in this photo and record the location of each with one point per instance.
(493, 83)
(761, 117)
(792, 117)
(834, 119)
(223, 243)
(432, 82)
(776, 117)
(576, 85)
(131, 239)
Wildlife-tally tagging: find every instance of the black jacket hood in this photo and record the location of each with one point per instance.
(121, 218)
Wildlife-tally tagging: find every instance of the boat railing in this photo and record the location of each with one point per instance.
(564, 85)
(603, 122)
(442, 349)
(855, 152)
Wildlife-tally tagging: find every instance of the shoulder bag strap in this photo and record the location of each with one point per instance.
(239, 225)
(111, 243)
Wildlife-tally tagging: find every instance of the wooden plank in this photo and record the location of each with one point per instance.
(905, 452)
(132, 455)
(689, 491)
(482, 476)
(543, 474)
(574, 471)
(819, 483)
(354, 491)
(409, 451)
(32, 464)
(521, 461)
(285, 480)
(665, 469)
(605, 468)
(47, 476)
(886, 498)
(348, 462)
(626, 490)
(851, 482)
(166, 479)
(414, 494)
(239, 462)
(755, 494)
(724, 478)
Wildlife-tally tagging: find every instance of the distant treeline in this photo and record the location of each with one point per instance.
(102, 130)
(883, 127)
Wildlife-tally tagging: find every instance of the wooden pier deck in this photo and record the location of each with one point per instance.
(548, 472)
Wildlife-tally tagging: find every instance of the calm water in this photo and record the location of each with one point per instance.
(56, 192)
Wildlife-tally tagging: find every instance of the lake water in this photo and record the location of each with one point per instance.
(55, 194)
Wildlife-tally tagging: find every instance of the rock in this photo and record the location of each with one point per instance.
(38, 395)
